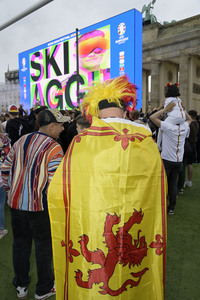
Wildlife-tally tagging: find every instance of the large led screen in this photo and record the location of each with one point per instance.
(48, 73)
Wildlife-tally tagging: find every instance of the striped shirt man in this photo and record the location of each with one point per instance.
(28, 169)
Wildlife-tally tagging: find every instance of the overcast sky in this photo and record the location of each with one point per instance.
(61, 17)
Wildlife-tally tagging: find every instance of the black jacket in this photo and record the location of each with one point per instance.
(16, 128)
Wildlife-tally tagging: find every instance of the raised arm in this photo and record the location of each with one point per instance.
(155, 117)
(162, 103)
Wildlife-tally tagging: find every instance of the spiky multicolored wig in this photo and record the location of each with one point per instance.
(118, 92)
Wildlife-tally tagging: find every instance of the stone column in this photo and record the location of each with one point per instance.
(155, 84)
(184, 79)
(145, 95)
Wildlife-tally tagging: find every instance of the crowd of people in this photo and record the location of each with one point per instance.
(32, 146)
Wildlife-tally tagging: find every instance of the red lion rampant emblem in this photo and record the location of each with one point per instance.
(120, 250)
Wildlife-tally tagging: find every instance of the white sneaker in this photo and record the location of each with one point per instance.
(3, 232)
(185, 184)
(170, 211)
(188, 183)
(49, 294)
(180, 191)
(22, 292)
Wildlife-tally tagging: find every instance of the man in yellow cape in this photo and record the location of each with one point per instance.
(107, 204)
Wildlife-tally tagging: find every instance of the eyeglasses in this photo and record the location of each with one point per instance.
(96, 44)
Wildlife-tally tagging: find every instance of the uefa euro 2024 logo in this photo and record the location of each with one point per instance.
(121, 28)
(24, 64)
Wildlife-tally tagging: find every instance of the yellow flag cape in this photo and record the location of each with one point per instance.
(107, 205)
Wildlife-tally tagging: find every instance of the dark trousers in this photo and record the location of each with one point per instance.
(172, 170)
(28, 226)
(198, 151)
(181, 177)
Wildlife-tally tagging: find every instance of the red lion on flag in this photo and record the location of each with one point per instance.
(120, 249)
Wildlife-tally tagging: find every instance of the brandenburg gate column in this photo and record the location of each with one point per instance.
(145, 89)
(184, 80)
(155, 84)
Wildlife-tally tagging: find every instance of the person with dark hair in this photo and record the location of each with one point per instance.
(21, 111)
(72, 113)
(70, 131)
(134, 115)
(81, 123)
(33, 117)
(16, 127)
(191, 142)
(27, 172)
(6, 118)
(63, 135)
(137, 117)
